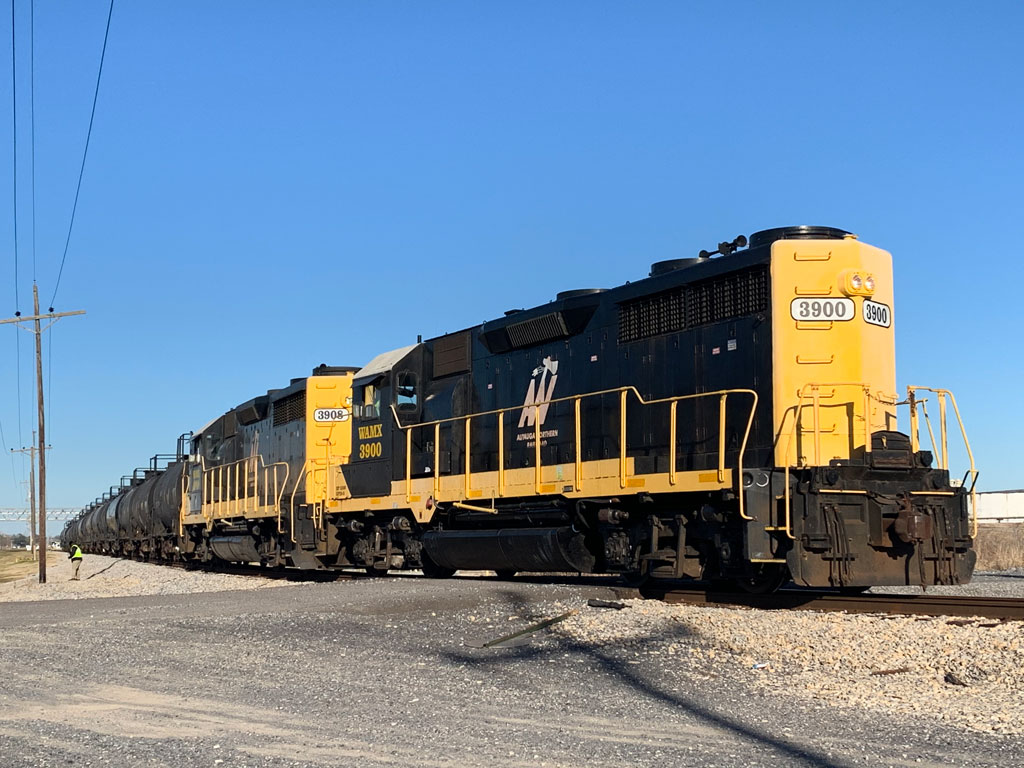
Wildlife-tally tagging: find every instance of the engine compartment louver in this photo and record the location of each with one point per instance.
(290, 408)
(688, 306)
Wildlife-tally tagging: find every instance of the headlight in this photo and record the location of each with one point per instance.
(856, 282)
(869, 284)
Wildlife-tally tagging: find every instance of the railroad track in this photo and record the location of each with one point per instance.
(1000, 608)
(288, 574)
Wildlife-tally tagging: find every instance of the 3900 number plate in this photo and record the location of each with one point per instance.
(877, 314)
(822, 310)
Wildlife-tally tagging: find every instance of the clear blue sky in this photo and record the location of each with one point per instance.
(272, 185)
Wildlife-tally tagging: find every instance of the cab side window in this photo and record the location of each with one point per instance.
(367, 402)
(406, 392)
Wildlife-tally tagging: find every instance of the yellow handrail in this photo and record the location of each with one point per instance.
(624, 393)
(941, 448)
(218, 481)
(972, 472)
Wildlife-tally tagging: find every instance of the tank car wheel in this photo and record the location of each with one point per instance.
(372, 571)
(763, 579)
(505, 574)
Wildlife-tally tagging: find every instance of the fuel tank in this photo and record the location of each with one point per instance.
(511, 549)
(235, 549)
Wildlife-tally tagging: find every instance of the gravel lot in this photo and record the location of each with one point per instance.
(382, 672)
(112, 577)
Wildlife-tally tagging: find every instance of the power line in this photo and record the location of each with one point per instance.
(14, 131)
(85, 154)
(32, 121)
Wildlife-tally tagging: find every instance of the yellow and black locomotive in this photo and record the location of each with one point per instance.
(731, 417)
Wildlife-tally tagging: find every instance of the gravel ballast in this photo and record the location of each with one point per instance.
(969, 673)
(102, 576)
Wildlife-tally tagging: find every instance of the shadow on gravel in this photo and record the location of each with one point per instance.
(631, 676)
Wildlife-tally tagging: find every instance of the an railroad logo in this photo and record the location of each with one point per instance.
(538, 396)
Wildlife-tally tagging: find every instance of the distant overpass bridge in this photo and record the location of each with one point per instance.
(19, 515)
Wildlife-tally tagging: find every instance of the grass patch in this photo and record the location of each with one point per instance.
(1000, 546)
(18, 563)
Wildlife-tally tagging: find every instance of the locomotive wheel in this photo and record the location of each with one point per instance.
(763, 579)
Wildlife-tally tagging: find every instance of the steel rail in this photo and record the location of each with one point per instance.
(237, 569)
(1001, 608)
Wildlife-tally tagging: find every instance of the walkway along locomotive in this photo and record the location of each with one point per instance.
(731, 418)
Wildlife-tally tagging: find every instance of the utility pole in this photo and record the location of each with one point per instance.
(52, 317)
(31, 451)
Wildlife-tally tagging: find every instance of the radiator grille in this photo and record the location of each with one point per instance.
(689, 306)
(290, 408)
(539, 329)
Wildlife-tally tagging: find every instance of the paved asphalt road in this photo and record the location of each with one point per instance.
(376, 672)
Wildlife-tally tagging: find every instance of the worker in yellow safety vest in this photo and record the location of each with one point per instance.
(76, 561)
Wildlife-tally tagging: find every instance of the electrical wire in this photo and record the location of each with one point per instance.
(14, 132)
(85, 154)
(32, 121)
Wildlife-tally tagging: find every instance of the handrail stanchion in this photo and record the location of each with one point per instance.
(280, 511)
(536, 447)
(944, 464)
(867, 421)
(579, 448)
(931, 432)
(672, 440)
(408, 464)
(721, 439)
(437, 461)
(743, 450)
(468, 483)
(622, 439)
(501, 453)
(915, 440)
